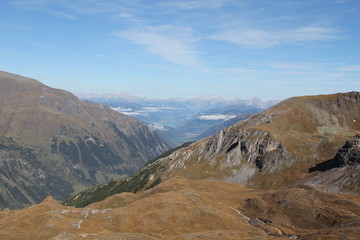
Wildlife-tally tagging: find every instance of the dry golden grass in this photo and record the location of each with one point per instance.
(180, 209)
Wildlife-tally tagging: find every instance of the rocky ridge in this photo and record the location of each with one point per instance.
(274, 148)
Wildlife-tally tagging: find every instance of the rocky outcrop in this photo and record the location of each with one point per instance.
(342, 173)
(349, 154)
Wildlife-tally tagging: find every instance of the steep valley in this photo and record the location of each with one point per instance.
(289, 172)
(272, 149)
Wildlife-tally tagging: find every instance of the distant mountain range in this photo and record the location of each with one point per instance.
(51, 143)
(182, 120)
(134, 105)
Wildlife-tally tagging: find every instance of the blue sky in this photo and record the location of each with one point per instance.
(159, 49)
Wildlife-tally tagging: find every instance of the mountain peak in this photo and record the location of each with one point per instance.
(6, 76)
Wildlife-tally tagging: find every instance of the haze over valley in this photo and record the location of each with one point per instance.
(183, 120)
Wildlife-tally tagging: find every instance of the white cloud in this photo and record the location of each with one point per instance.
(173, 44)
(156, 126)
(60, 14)
(121, 109)
(196, 4)
(262, 38)
(246, 37)
(30, 4)
(129, 111)
(70, 8)
(309, 34)
(156, 109)
(353, 68)
(141, 112)
(289, 66)
(217, 117)
(134, 113)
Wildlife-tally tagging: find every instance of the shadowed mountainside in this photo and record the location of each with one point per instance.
(51, 143)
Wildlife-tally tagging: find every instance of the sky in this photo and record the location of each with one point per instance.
(180, 48)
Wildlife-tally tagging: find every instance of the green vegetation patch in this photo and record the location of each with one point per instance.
(134, 183)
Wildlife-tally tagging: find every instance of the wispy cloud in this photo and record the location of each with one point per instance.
(12, 26)
(290, 66)
(197, 4)
(352, 68)
(130, 17)
(291, 73)
(60, 14)
(262, 38)
(70, 8)
(45, 6)
(30, 4)
(174, 44)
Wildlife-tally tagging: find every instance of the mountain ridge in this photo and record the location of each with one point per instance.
(274, 148)
(84, 143)
(196, 192)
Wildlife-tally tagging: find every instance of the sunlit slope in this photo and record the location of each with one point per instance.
(192, 209)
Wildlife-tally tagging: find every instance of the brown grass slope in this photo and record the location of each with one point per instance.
(193, 209)
(51, 132)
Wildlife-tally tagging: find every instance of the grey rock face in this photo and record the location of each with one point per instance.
(349, 154)
(252, 146)
(341, 174)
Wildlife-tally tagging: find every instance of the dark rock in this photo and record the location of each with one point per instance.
(264, 220)
(349, 154)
